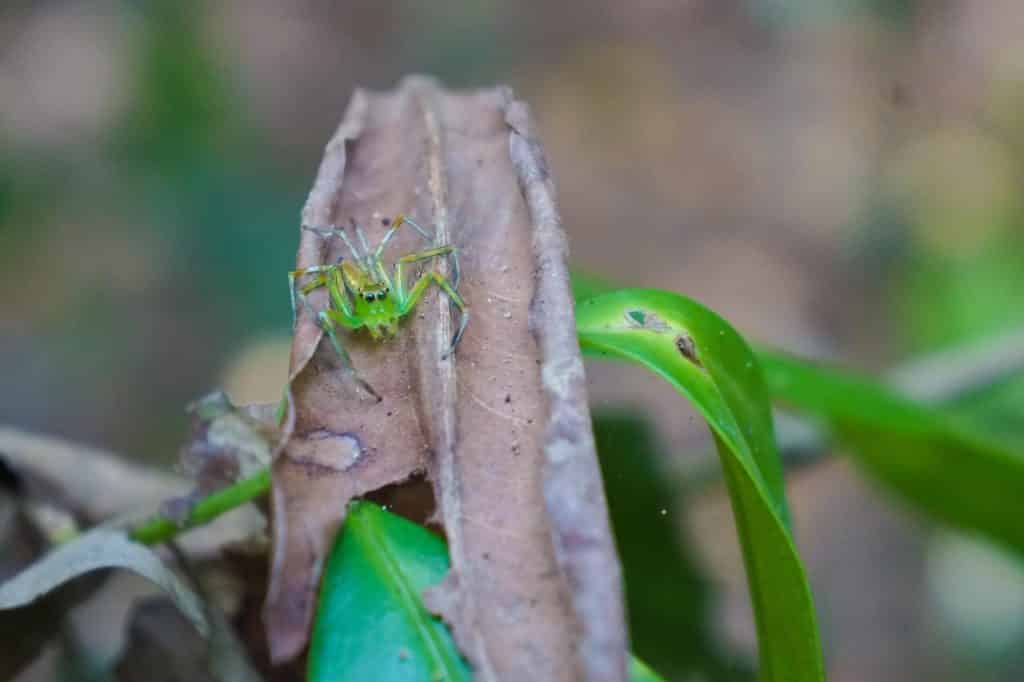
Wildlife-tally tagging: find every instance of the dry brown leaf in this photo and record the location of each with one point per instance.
(502, 428)
(91, 551)
(99, 483)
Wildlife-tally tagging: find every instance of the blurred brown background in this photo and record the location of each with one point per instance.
(842, 178)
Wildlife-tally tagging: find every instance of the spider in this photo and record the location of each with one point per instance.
(361, 294)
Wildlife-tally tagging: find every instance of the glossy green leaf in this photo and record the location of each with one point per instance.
(705, 360)
(371, 623)
(938, 461)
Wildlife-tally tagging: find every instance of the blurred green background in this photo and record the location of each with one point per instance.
(839, 177)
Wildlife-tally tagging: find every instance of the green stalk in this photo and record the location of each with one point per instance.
(161, 529)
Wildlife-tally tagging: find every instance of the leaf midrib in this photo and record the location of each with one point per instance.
(380, 554)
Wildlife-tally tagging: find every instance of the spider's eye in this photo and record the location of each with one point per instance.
(368, 296)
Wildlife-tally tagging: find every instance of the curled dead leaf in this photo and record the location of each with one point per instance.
(501, 428)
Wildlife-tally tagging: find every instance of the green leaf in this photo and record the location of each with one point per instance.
(936, 460)
(371, 623)
(638, 672)
(705, 360)
(667, 594)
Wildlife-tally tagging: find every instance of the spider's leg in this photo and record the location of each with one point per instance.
(329, 321)
(418, 289)
(318, 281)
(378, 265)
(395, 224)
(332, 231)
(406, 219)
(362, 242)
(456, 269)
(388, 236)
(413, 258)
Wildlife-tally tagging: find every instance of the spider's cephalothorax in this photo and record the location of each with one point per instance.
(361, 293)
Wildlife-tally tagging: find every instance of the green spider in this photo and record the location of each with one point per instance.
(361, 294)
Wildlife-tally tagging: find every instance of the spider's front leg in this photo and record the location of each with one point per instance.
(339, 315)
(329, 321)
(406, 303)
(294, 291)
(402, 219)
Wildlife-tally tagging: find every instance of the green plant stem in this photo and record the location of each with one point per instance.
(161, 529)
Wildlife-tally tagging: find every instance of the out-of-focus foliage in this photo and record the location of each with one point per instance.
(956, 473)
(142, 257)
(952, 209)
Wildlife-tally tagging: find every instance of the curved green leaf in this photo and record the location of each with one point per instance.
(934, 459)
(700, 354)
(638, 672)
(371, 623)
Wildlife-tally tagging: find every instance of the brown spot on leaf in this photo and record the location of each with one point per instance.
(688, 349)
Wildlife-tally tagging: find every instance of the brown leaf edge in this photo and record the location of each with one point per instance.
(573, 488)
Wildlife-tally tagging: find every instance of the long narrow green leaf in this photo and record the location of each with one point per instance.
(668, 595)
(705, 360)
(371, 623)
(938, 461)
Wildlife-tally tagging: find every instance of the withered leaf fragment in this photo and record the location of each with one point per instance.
(225, 444)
